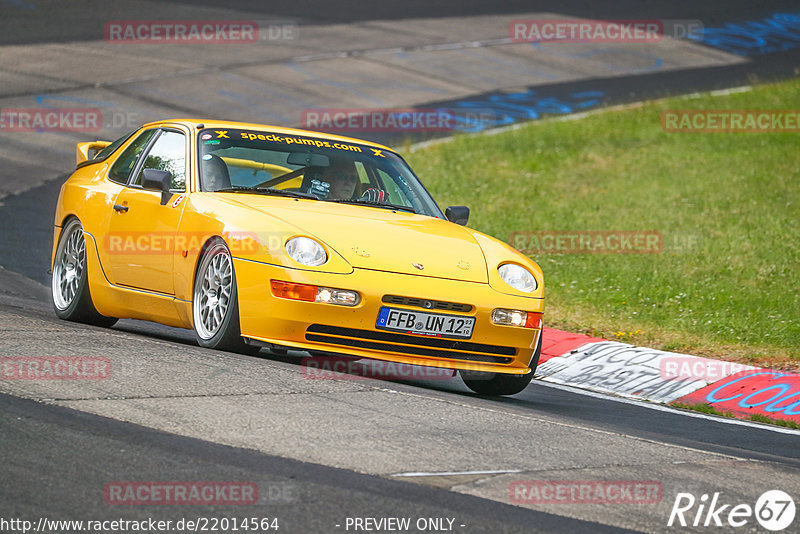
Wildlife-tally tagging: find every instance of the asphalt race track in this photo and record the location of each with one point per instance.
(323, 452)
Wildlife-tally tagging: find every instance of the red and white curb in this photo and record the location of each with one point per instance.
(621, 369)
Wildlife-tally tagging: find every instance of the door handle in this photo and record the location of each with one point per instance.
(120, 207)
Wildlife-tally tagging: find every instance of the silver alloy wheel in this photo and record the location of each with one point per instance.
(213, 294)
(69, 267)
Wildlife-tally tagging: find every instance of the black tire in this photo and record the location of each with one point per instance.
(497, 384)
(215, 293)
(69, 285)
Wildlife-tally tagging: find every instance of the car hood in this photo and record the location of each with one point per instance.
(380, 239)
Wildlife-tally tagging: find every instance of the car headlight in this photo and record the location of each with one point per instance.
(306, 251)
(517, 277)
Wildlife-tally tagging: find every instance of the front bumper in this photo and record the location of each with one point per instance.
(352, 331)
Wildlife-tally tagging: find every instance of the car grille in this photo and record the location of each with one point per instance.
(413, 345)
(427, 304)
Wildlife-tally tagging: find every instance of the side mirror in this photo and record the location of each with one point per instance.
(457, 214)
(158, 180)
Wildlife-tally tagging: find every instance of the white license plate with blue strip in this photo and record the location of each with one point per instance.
(429, 324)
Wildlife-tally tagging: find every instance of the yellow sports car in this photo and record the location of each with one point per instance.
(258, 236)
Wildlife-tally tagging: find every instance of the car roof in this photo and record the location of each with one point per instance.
(210, 123)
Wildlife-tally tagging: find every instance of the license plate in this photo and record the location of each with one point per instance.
(429, 324)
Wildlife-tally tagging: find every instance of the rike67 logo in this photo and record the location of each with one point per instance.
(774, 510)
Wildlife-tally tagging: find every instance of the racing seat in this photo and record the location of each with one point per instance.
(215, 173)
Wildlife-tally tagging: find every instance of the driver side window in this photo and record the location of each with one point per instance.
(168, 154)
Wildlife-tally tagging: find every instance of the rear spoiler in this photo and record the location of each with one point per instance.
(86, 151)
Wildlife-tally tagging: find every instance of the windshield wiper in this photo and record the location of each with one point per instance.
(268, 191)
(376, 204)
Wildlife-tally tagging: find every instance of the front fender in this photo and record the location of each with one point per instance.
(496, 253)
(249, 234)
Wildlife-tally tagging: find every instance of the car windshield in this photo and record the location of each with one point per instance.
(308, 167)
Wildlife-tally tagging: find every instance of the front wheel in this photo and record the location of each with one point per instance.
(70, 283)
(215, 306)
(496, 384)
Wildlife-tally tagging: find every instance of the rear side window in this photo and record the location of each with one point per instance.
(126, 161)
(107, 151)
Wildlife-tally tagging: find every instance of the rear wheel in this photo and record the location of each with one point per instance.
(215, 306)
(70, 283)
(496, 384)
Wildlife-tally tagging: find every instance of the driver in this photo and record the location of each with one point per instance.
(343, 178)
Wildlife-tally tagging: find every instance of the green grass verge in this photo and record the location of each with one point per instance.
(758, 418)
(727, 205)
(780, 422)
(702, 408)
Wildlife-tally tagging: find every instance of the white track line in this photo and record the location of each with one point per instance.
(456, 473)
(664, 408)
